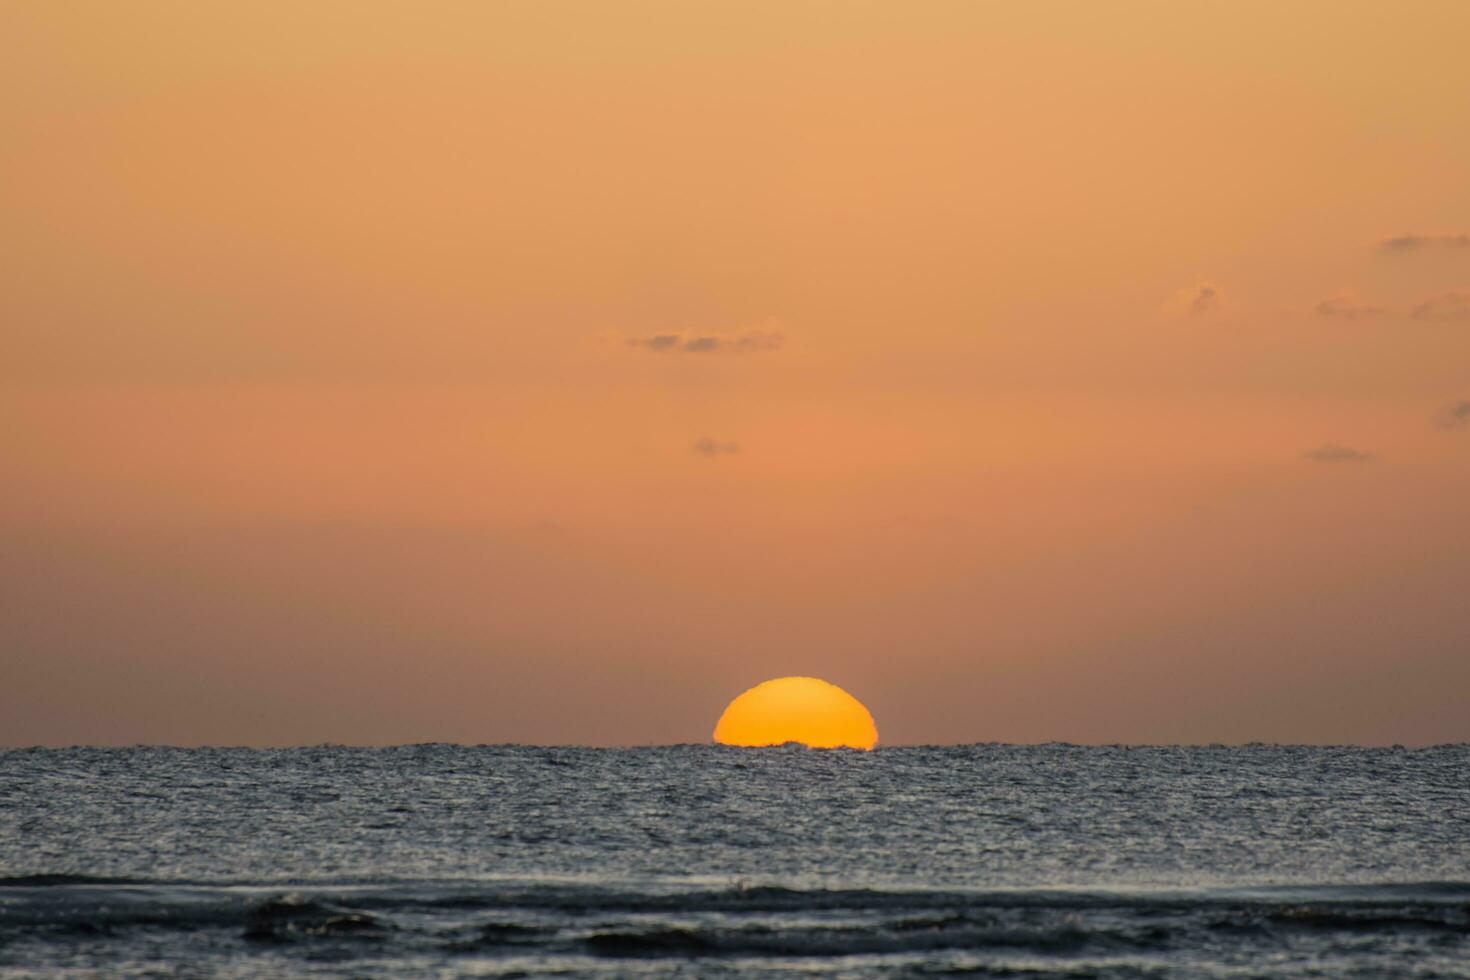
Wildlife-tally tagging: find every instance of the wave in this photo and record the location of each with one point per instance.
(676, 893)
(858, 941)
(517, 912)
(780, 898)
(291, 916)
(51, 880)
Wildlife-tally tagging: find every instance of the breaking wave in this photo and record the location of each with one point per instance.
(770, 921)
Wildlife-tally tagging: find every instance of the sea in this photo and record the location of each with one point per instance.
(711, 861)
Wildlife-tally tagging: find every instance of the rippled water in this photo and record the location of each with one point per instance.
(709, 861)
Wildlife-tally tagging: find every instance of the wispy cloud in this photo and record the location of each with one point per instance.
(1348, 307)
(1451, 305)
(1333, 453)
(714, 447)
(1456, 416)
(1402, 244)
(758, 340)
(658, 342)
(746, 342)
(1206, 299)
(1201, 299)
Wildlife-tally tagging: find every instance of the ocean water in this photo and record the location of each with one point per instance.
(986, 861)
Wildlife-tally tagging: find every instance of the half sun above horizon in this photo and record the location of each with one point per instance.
(812, 712)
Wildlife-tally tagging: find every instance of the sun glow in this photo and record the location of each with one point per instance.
(797, 709)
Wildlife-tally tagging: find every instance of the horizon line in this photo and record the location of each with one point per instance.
(629, 747)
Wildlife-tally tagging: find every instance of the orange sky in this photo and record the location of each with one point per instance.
(553, 372)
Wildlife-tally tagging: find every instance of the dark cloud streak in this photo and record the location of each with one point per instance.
(1206, 300)
(1403, 244)
(658, 342)
(713, 447)
(750, 342)
(1347, 308)
(1333, 453)
(1451, 305)
(1457, 416)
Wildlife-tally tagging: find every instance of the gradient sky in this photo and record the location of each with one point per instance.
(534, 371)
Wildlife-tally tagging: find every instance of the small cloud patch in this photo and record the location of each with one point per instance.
(1206, 300)
(1333, 453)
(658, 342)
(753, 341)
(1406, 244)
(1451, 305)
(710, 448)
(1201, 299)
(747, 342)
(1347, 307)
(1457, 416)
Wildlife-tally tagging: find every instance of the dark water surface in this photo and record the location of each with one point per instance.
(706, 861)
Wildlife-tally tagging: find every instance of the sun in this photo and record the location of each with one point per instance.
(797, 709)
